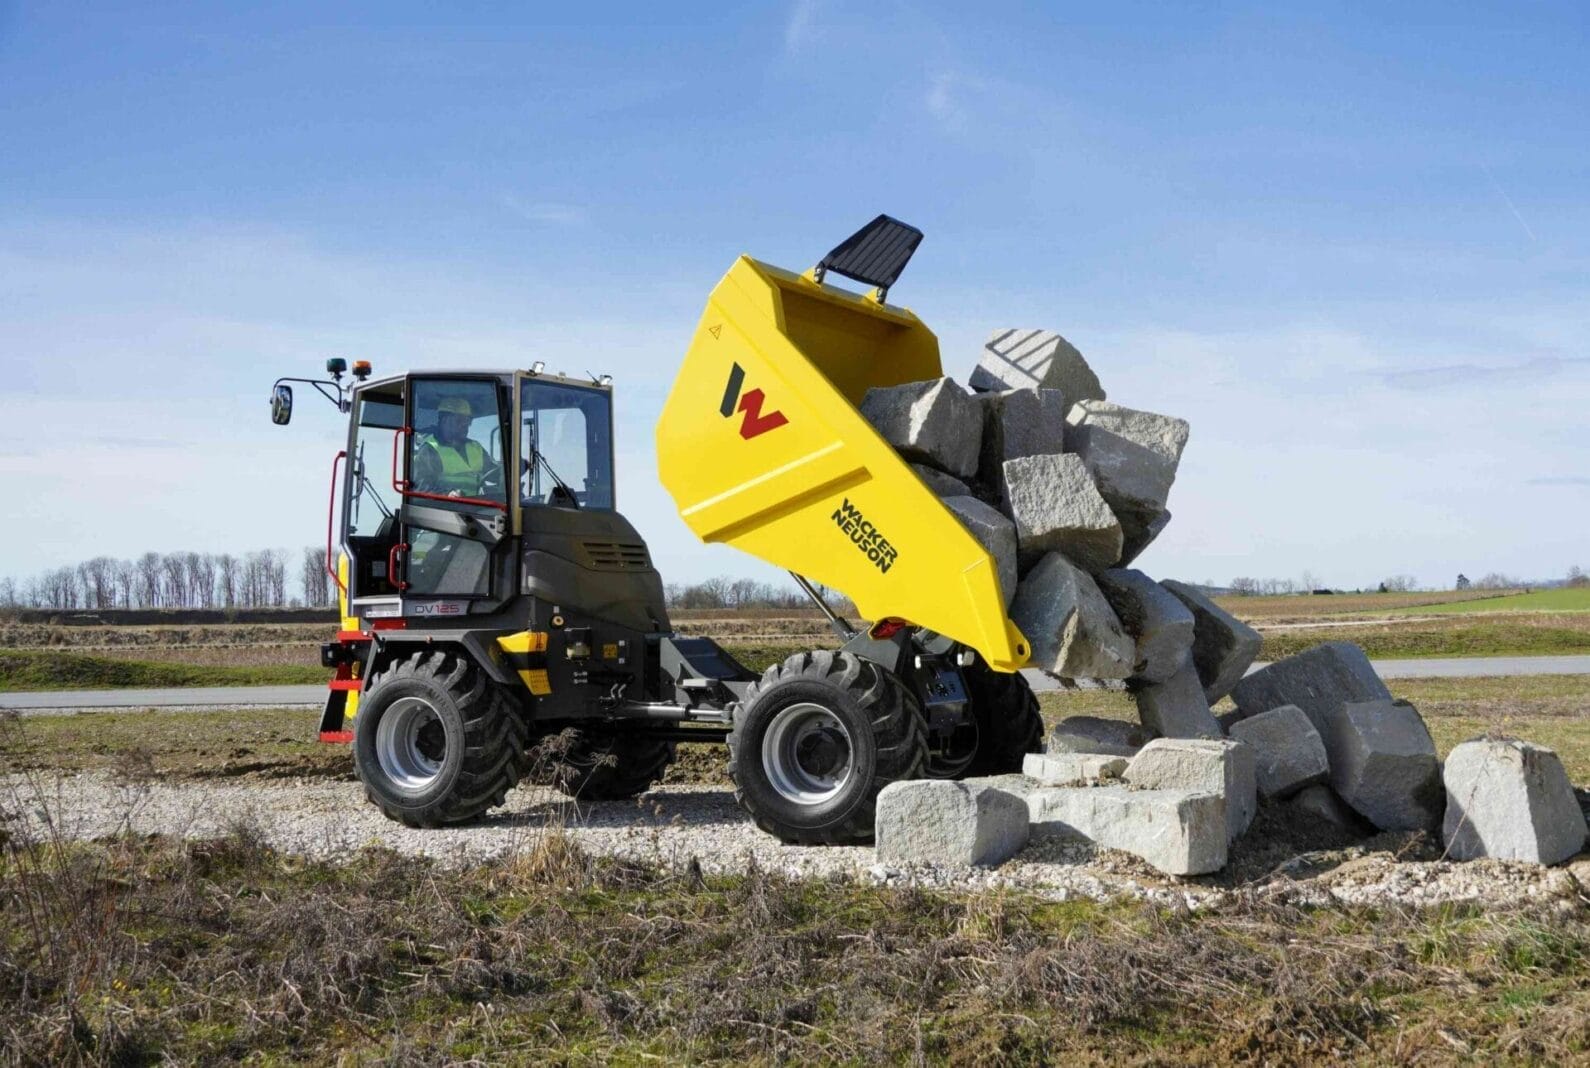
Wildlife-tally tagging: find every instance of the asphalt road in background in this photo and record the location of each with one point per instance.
(200, 697)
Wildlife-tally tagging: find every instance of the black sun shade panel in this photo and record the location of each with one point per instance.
(875, 255)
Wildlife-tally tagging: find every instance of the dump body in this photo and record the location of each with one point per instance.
(762, 447)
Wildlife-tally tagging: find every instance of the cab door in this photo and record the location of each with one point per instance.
(455, 507)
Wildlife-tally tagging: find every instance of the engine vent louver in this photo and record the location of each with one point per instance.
(617, 556)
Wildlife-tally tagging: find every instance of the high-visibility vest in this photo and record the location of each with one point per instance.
(461, 469)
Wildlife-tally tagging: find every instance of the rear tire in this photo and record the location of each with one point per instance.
(600, 767)
(1009, 725)
(436, 741)
(816, 739)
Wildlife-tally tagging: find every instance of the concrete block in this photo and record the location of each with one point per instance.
(1015, 359)
(1072, 628)
(1223, 645)
(933, 422)
(1201, 766)
(1164, 435)
(955, 824)
(1383, 764)
(1320, 803)
(1510, 800)
(1057, 508)
(1287, 750)
(1133, 456)
(1176, 708)
(1017, 423)
(1319, 681)
(1096, 736)
(1057, 769)
(941, 484)
(994, 532)
(1141, 534)
(1178, 832)
(1161, 625)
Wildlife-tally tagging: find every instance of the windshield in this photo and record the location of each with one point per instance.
(369, 510)
(567, 445)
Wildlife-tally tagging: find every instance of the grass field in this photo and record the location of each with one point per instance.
(1576, 599)
(50, 670)
(1305, 606)
(1387, 626)
(1520, 634)
(141, 951)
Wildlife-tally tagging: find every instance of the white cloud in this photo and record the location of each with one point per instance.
(798, 28)
(546, 212)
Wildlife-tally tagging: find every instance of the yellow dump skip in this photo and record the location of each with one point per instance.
(762, 448)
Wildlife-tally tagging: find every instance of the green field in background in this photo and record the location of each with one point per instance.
(1558, 600)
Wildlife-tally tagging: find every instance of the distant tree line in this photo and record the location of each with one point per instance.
(178, 580)
(1495, 580)
(721, 591)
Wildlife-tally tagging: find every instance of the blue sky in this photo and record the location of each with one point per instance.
(1348, 243)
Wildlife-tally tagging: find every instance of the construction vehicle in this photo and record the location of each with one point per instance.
(502, 621)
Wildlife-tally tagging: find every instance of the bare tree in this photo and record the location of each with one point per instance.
(226, 569)
(1577, 578)
(312, 575)
(199, 571)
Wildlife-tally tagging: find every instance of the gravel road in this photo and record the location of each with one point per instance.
(673, 825)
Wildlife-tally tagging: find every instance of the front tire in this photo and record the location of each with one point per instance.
(436, 741)
(816, 739)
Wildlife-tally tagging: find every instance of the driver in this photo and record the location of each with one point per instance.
(449, 461)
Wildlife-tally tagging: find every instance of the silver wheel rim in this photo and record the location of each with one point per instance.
(410, 755)
(807, 754)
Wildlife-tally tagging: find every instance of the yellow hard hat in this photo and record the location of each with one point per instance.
(455, 406)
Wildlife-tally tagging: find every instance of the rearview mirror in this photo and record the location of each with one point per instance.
(281, 405)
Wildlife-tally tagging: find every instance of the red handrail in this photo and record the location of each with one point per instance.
(331, 512)
(401, 485)
(391, 566)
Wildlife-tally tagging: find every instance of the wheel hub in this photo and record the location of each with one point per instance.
(410, 744)
(807, 754)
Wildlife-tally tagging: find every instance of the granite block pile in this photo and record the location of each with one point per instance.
(1065, 489)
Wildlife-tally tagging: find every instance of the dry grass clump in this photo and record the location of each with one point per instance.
(135, 950)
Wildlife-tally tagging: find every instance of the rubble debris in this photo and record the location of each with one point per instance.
(1510, 800)
(941, 484)
(934, 422)
(1058, 769)
(1013, 359)
(1176, 708)
(1160, 625)
(1223, 645)
(1383, 764)
(1288, 752)
(1177, 831)
(955, 824)
(1201, 766)
(1318, 680)
(1072, 628)
(1056, 508)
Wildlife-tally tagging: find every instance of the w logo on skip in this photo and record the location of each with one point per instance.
(753, 419)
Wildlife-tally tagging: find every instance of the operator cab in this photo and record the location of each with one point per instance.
(445, 467)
